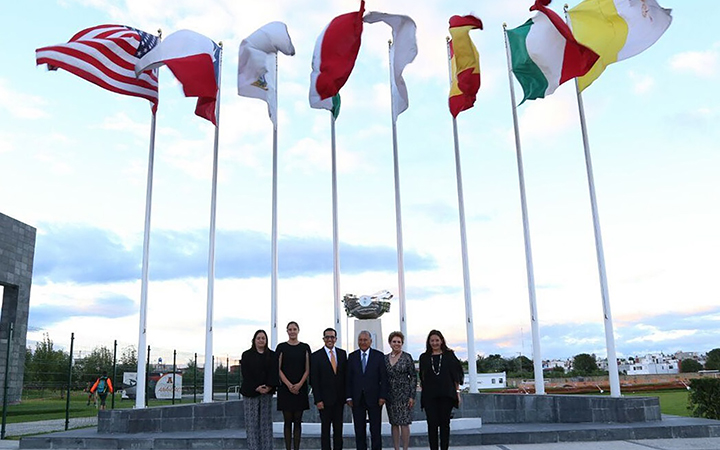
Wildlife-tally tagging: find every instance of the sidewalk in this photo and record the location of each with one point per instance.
(653, 444)
(9, 444)
(229, 439)
(645, 444)
(47, 426)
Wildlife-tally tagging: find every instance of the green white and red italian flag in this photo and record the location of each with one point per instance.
(544, 53)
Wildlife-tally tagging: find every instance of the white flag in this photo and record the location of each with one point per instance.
(403, 52)
(256, 63)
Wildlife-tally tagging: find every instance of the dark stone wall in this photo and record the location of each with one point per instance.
(492, 408)
(17, 251)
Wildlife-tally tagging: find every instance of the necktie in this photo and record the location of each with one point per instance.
(364, 361)
(333, 362)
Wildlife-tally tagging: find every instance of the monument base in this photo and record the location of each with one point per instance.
(374, 326)
(493, 408)
(417, 427)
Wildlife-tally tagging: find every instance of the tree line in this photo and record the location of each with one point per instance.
(47, 368)
(712, 362)
(583, 365)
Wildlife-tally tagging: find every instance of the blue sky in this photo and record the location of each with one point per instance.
(74, 160)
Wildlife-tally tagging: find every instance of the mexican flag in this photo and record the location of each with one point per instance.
(544, 53)
(336, 50)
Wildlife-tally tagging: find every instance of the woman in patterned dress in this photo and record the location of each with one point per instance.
(259, 369)
(402, 378)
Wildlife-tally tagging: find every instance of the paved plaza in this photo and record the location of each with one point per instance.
(88, 436)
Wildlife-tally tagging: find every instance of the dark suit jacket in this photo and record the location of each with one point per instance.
(373, 383)
(328, 387)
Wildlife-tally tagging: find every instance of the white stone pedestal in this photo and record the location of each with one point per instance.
(374, 326)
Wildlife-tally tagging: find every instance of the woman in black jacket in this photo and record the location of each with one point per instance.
(259, 366)
(440, 377)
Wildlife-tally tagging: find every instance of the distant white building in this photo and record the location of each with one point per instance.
(680, 355)
(548, 364)
(699, 357)
(602, 363)
(488, 381)
(652, 364)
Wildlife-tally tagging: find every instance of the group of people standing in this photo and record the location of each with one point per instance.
(365, 380)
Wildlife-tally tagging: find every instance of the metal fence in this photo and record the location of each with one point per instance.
(57, 383)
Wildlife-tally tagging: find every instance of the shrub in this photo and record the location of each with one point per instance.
(690, 365)
(704, 398)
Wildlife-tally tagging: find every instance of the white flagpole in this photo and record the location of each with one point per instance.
(142, 340)
(472, 356)
(398, 208)
(208, 379)
(336, 239)
(607, 313)
(537, 355)
(274, 271)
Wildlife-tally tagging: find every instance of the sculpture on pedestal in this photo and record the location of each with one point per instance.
(367, 309)
(367, 306)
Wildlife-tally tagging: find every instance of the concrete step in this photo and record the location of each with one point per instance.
(489, 434)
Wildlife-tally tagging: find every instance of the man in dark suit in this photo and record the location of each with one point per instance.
(367, 390)
(327, 377)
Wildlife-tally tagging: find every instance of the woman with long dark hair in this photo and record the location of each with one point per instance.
(259, 369)
(292, 400)
(441, 375)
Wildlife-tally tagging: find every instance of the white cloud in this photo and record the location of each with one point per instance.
(704, 64)
(545, 119)
(194, 157)
(642, 84)
(19, 104)
(653, 334)
(6, 143)
(310, 155)
(48, 154)
(122, 122)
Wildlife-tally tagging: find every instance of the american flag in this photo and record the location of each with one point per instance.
(106, 55)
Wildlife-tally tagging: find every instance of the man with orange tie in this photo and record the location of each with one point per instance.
(327, 378)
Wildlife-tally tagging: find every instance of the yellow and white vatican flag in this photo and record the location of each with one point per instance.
(616, 30)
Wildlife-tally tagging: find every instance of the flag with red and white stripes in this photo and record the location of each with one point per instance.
(106, 55)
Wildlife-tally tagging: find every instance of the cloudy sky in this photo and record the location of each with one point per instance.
(74, 165)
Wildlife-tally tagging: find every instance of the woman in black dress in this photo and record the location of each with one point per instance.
(260, 377)
(294, 362)
(440, 377)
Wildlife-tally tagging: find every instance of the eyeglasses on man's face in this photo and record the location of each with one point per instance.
(329, 337)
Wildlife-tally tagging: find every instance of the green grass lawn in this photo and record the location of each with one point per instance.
(53, 407)
(673, 402)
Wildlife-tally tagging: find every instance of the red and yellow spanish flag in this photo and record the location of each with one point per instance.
(465, 63)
